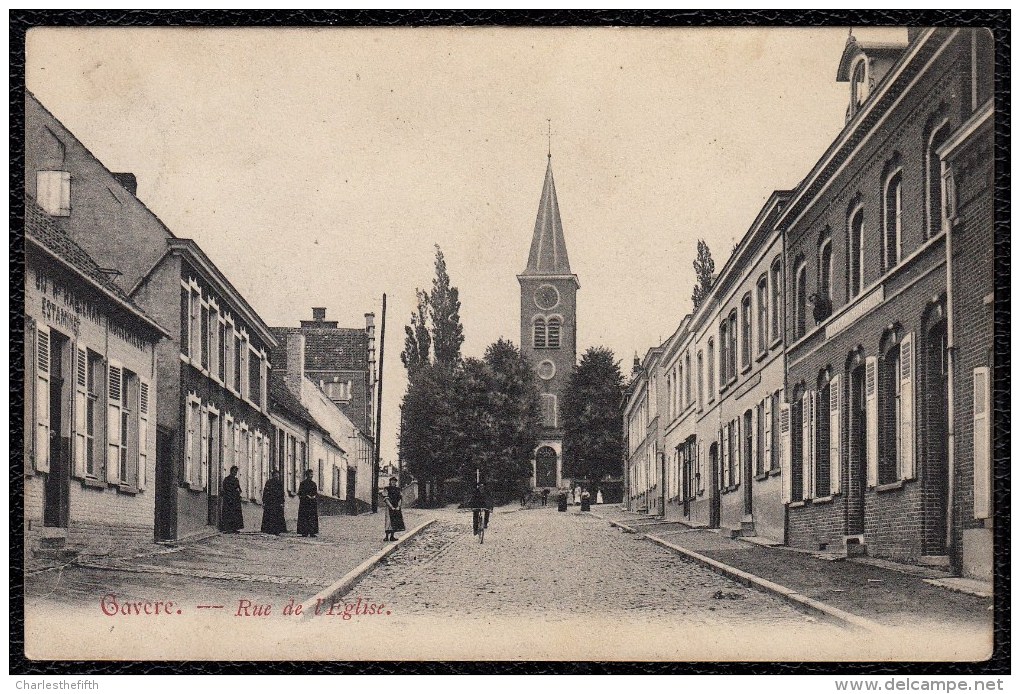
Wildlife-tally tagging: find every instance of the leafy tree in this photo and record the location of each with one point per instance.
(417, 340)
(444, 312)
(517, 414)
(704, 270)
(592, 433)
(427, 419)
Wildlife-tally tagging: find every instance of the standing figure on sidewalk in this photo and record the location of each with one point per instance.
(598, 496)
(308, 507)
(545, 496)
(273, 522)
(394, 515)
(231, 520)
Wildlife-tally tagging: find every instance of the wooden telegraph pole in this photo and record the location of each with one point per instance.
(378, 410)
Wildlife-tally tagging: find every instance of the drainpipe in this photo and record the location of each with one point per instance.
(950, 395)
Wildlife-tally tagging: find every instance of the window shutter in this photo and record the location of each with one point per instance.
(784, 445)
(835, 437)
(203, 470)
(189, 443)
(28, 433)
(700, 469)
(871, 406)
(982, 444)
(114, 393)
(725, 458)
(738, 453)
(907, 444)
(807, 443)
(143, 432)
(755, 444)
(768, 434)
(42, 399)
(81, 370)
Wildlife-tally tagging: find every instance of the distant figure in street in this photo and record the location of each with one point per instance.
(273, 522)
(231, 520)
(577, 495)
(480, 500)
(545, 496)
(561, 501)
(598, 496)
(394, 515)
(308, 507)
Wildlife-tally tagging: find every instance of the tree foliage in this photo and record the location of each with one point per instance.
(444, 312)
(704, 270)
(417, 340)
(592, 432)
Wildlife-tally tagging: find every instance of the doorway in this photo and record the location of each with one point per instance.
(166, 487)
(858, 451)
(747, 461)
(714, 512)
(215, 469)
(936, 439)
(56, 493)
(352, 482)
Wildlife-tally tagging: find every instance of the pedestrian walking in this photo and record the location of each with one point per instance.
(577, 495)
(273, 522)
(231, 520)
(308, 507)
(394, 513)
(598, 495)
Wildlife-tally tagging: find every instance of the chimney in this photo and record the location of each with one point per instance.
(295, 371)
(127, 181)
(370, 331)
(318, 314)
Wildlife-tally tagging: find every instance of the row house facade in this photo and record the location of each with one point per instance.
(642, 436)
(345, 478)
(211, 365)
(834, 391)
(90, 397)
(723, 374)
(869, 380)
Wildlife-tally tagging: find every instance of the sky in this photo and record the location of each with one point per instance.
(319, 167)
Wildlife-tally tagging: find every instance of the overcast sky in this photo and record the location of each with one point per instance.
(318, 167)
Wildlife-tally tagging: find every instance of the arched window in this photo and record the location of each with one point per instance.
(724, 357)
(711, 370)
(893, 219)
(549, 410)
(777, 296)
(539, 333)
(553, 334)
(825, 269)
(933, 187)
(732, 348)
(800, 300)
(855, 249)
(745, 330)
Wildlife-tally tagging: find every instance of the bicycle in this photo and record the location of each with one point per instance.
(480, 523)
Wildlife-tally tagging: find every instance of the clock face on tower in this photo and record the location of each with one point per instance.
(547, 297)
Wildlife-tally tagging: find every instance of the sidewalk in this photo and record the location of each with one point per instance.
(224, 567)
(877, 593)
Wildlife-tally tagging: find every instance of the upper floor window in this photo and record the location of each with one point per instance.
(724, 356)
(855, 252)
(745, 330)
(53, 192)
(731, 349)
(762, 291)
(553, 333)
(687, 380)
(825, 269)
(711, 370)
(893, 219)
(933, 184)
(185, 338)
(701, 378)
(800, 300)
(777, 296)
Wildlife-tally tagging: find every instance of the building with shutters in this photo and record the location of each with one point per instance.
(867, 319)
(338, 452)
(642, 436)
(90, 399)
(549, 329)
(968, 176)
(722, 376)
(212, 408)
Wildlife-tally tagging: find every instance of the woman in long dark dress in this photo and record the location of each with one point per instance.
(231, 520)
(308, 507)
(273, 522)
(394, 514)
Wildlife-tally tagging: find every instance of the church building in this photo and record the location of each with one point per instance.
(549, 329)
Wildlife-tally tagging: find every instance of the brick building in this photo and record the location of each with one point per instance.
(90, 395)
(212, 409)
(549, 329)
(866, 318)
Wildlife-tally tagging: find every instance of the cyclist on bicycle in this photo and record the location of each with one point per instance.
(480, 503)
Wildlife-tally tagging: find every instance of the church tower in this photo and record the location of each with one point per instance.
(549, 328)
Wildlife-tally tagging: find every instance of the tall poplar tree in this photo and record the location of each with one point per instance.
(444, 312)
(592, 432)
(704, 270)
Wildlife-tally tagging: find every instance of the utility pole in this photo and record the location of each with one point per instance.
(378, 410)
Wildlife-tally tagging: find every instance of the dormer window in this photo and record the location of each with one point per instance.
(859, 84)
(53, 192)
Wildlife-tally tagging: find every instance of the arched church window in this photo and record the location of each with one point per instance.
(539, 333)
(553, 334)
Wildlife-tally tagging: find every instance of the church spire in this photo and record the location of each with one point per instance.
(548, 254)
